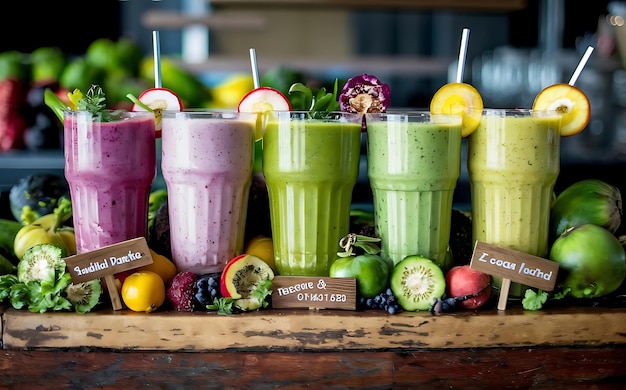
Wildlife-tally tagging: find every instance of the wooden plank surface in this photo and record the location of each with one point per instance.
(492, 368)
(304, 330)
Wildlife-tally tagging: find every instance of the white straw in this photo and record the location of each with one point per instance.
(581, 65)
(157, 59)
(462, 54)
(255, 68)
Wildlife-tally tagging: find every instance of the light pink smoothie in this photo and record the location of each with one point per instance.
(207, 166)
(110, 167)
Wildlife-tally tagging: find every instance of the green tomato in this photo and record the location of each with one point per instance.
(370, 271)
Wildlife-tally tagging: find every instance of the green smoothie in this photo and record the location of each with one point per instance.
(413, 167)
(311, 167)
(513, 163)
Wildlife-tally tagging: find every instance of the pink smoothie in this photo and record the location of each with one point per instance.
(110, 167)
(207, 166)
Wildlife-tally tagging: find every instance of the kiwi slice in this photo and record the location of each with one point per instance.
(84, 296)
(417, 282)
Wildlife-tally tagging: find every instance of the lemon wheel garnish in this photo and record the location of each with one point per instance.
(459, 98)
(570, 102)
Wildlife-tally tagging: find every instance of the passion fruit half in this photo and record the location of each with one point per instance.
(242, 278)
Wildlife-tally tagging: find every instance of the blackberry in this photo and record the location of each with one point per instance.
(385, 300)
(207, 290)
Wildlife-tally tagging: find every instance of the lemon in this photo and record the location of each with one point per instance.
(459, 98)
(229, 93)
(143, 291)
(162, 266)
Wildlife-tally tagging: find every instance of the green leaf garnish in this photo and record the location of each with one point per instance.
(54, 103)
(319, 104)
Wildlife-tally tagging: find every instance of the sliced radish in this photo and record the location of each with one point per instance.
(157, 100)
(264, 99)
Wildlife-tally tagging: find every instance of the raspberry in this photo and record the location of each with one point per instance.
(180, 292)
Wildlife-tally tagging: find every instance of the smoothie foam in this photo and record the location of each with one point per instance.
(110, 167)
(207, 166)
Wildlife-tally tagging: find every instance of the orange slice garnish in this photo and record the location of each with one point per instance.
(570, 102)
(459, 98)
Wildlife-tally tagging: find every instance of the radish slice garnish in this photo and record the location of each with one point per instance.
(261, 100)
(157, 100)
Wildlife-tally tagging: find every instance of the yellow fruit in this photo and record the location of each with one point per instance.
(263, 248)
(228, 93)
(162, 266)
(568, 100)
(143, 291)
(459, 98)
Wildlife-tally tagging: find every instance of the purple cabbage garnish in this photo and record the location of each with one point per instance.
(364, 94)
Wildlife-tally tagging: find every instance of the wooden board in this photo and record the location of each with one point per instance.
(495, 368)
(308, 330)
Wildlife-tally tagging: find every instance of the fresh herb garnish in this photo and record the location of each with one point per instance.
(93, 101)
(319, 104)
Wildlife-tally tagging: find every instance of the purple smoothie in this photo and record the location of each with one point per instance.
(110, 167)
(207, 166)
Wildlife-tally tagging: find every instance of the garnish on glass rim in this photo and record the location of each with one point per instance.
(365, 94)
(156, 100)
(93, 101)
(320, 104)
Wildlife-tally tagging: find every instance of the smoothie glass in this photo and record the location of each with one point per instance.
(414, 162)
(207, 159)
(110, 167)
(513, 163)
(311, 167)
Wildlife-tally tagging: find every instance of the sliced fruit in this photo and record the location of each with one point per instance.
(157, 100)
(417, 282)
(85, 295)
(243, 279)
(568, 100)
(459, 98)
(261, 100)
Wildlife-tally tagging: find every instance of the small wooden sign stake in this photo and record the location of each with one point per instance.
(514, 266)
(107, 261)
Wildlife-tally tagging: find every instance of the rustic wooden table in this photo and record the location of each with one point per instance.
(569, 348)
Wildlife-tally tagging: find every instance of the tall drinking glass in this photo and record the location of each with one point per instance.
(110, 166)
(513, 163)
(311, 167)
(207, 159)
(414, 162)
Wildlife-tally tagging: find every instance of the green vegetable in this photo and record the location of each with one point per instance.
(93, 101)
(302, 98)
(534, 300)
(8, 231)
(40, 282)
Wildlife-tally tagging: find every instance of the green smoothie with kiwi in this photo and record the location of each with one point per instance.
(311, 167)
(513, 163)
(413, 166)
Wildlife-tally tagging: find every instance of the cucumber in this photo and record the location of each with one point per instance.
(586, 202)
(8, 231)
